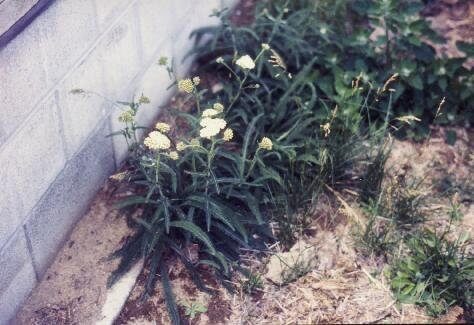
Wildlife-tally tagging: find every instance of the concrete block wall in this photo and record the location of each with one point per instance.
(54, 155)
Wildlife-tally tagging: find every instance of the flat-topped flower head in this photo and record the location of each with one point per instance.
(228, 135)
(218, 107)
(195, 142)
(174, 155)
(218, 122)
(163, 127)
(220, 60)
(209, 112)
(144, 100)
(196, 80)
(265, 144)
(126, 116)
(211, 127)
(265, 46)
(180, 146)
(186, 86)
(245, 62)
(156, 141)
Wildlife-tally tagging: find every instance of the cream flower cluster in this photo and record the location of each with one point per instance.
(210, 112)
(156, 141)
(163, 127)
(186, 85)
(180, 146)
(245, 62)
(228, 135)
(211, 127)
(126, 116)
(218, 107)
(265, 144)
(174, 155)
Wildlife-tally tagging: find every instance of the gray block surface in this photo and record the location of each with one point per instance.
(17, 276)
(29, 163)
(68, 198)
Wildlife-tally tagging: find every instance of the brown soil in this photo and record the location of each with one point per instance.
(454, 21)
(74, 286)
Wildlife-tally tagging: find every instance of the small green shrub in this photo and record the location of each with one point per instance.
(193, 308)
(436, 273)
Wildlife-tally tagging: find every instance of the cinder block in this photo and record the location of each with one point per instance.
(17, 276)
(120, 56)
(29, 162)
(11, 10)
(81, 113)
(158, 21)
(228, 4)
(108, 10)
(22, 80)
(198, 17)
(68, 198)
(68, 28)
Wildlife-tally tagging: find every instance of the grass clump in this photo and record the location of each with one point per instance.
(376, 237)
(252, 283)
(404, 201)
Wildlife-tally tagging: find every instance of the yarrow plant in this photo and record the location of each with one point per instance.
(197, 189)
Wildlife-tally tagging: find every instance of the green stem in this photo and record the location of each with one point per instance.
(237, 95)
(196, 97)
(157, 169)
(252, 164)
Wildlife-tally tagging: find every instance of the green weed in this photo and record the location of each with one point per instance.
(436, 273)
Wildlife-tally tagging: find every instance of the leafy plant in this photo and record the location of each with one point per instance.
(193, 308)
(436, 273)
(202, 189)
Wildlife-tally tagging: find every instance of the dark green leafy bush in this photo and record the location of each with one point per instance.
(367, 39)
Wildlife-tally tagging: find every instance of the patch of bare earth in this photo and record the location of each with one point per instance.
(453, 19)
(74, 287)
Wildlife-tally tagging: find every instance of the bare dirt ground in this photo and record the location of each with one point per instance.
(74, 286)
